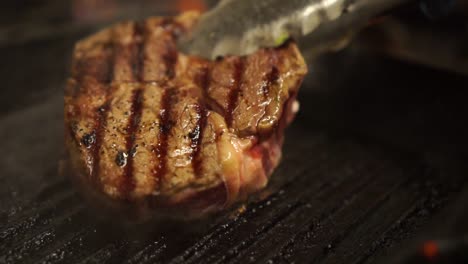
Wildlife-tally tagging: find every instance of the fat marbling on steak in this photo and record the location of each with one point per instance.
(148, 125)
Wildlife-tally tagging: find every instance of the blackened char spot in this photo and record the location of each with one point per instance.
(128, 181)
(167, 101)
(233, 98)
(102, 109)
(193, 135)
(165, 128)
(89, 139)
(132, 152)
(121, 158)
(138, 53)
(196, 137)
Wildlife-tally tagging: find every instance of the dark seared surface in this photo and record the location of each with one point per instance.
(375, 159)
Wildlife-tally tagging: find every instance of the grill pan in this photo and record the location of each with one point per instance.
(373, 161)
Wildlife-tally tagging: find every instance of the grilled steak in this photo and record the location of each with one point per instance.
(152, 127)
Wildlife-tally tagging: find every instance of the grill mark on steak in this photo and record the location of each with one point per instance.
(170, 55)
(170, 60)
(271, 78)
(168, 98)
(165, 126)
(125, 159)
(196, 137)
(128, 182)
(100, 123)
(138, 54)
(233, 98)
(203, 80)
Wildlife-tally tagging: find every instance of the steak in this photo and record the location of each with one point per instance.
(152, 128)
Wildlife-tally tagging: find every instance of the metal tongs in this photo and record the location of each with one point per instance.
(239, 27)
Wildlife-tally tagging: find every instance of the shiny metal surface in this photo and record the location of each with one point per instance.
(239, 27)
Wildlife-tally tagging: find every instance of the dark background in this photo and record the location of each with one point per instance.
(374, 165)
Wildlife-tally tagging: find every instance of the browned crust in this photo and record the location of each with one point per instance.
(132, 73)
